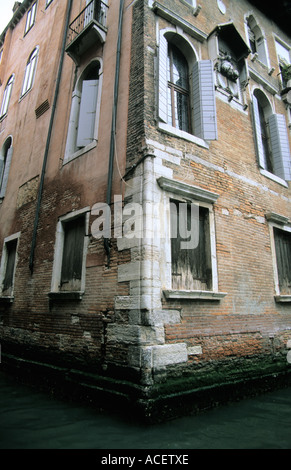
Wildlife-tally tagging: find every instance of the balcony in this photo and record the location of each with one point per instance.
(88, 28)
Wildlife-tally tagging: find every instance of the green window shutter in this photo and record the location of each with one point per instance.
(163, 79)
(280, 146)
(205, 120)
(87, 113)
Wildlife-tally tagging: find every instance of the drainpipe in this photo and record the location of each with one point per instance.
(113, 126)
(40, 190)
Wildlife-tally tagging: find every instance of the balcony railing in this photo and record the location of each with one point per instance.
(95, 11)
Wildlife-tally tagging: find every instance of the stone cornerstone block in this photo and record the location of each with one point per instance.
(169, 354)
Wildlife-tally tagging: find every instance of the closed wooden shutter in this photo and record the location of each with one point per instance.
(280, 146)
(190, 267)
(283, 255)
(72, 261)
(87, 115)
(204, 104)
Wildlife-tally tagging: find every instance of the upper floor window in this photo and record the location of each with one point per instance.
(5, 162)
(178, 83)
(284, 59)
(30, 71)
(187, 106)
(271, 136)
(48, 2)
(6, 96)
(1, 53)
(85, 109)
(257, 41)
(30, 19)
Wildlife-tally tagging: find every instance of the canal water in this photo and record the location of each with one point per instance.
(30, 419)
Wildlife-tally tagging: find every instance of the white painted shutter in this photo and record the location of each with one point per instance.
(258, 133)
(261, 48)
(87, 113)
(163, 79)
(6, 172)
(204, 113)
(280, 146)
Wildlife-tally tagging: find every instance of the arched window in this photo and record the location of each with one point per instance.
(271, 137)
(30, 72)
(84, 114)
(186, 98)
(5, 161)
(178, 84)
(257, 40)
(6, 96)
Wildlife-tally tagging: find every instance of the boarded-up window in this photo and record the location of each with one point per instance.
(283, 255)
(191, 267)
(10, 265)
(72, 262)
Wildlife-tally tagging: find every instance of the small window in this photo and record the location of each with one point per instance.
(191, 266)
(48, 2)
(6, 96)
(271, 137)
(282, 240)
(70, 254)
(5, 162)
(257, 41)
(186, 94)
(29, 72)
(8, 264)
(1, 54)
(178, 92)
(85, 109)
(72, 261)
(30, 19)
(284, 59)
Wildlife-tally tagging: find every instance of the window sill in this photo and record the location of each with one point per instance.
(273, 177)
(64, 296)
(182, 135)
(80, 152)
(283, 298)
(193, 295)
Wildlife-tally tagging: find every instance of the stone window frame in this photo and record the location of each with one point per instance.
(202, 91)
(4, 258)
(279, 133)
(30, 72)
(286, 46)
(183, 192)
(262, 53)
(30, 17)
(7, 96)
(282, 223)
(6, 154)
(71, 152)
(56, 293)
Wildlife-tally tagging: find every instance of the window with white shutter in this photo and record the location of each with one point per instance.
(188, 106)
(271, 137)
(5, 162)
(85, 111)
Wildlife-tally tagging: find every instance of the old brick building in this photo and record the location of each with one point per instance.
(145, 199)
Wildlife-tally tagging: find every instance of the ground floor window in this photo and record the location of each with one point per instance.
(8, 264)
(282, 240)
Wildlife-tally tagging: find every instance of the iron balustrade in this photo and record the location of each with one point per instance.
(96, 11)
